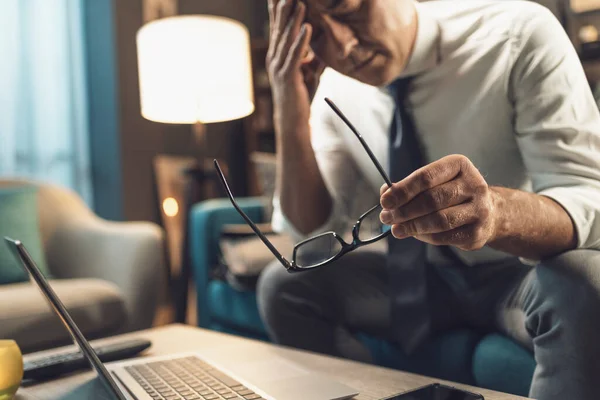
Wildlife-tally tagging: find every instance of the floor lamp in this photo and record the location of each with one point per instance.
(194, 69)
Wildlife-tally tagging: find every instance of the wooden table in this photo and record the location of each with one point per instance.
(373, 382)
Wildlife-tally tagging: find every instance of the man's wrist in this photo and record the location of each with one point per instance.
(290, 128)
(529, 225)
(499, 220)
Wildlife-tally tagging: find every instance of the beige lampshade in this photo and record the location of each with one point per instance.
(195, 69)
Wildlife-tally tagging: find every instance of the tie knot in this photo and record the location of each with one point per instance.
(398, 89)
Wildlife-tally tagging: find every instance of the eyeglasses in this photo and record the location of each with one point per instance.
(327, 247)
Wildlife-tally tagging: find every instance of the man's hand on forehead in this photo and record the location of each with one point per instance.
(293, 69)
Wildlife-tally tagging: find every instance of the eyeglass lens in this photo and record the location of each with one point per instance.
(317, 251)
(371, 226)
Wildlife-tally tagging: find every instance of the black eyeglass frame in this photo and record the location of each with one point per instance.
(291, 266)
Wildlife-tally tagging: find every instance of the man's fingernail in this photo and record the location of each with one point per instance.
(399, 231)
(386, 217)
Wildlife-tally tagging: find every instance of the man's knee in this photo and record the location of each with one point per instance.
(271, 285)
(280, 294)
(570, 285)
(576, 260)
(573, 270)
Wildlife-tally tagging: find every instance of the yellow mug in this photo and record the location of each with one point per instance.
(11, 369)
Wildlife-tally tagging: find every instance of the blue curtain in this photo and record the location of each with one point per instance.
(43, 99)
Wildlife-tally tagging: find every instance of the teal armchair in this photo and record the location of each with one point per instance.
(489, 361)
(220, 306)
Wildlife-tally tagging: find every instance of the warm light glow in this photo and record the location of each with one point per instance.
(195, 69)
(588, 33)
(170, 207)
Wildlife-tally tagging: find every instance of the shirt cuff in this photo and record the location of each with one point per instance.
(581, 203)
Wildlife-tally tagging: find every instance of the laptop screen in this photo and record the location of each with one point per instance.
(23, 256)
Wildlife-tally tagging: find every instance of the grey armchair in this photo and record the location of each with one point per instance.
(108, 274)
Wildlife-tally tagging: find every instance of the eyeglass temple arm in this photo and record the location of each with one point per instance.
(262, 237)
(385, 176)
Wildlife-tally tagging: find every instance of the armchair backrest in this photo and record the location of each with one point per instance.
(56, 205)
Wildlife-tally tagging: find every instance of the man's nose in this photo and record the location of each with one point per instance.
(342, 37)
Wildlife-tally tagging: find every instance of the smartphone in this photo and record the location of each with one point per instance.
(436, 391)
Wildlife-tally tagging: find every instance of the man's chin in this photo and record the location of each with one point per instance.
(374, 76)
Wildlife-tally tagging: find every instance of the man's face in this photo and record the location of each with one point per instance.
(368, 40)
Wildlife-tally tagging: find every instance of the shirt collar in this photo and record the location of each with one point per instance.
(425, 54)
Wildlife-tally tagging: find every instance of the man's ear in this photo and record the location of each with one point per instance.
(309, 57)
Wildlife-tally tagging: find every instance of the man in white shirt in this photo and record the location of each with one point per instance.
(510, 182)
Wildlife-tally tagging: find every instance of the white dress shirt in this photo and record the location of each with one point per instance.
(496, 81)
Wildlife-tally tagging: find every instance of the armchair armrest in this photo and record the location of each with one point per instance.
(207, 220)
(237, 230)
(129, 254)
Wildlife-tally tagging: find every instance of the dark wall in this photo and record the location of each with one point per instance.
(252, 13)
(141, 140)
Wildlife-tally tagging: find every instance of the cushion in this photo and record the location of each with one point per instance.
(248, 256)
(501, 364)
(19, 220)
(95, 305)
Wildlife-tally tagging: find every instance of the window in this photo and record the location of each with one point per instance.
(43, 99)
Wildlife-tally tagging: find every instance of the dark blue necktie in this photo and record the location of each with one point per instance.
(411, 321)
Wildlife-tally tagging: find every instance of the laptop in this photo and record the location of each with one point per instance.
(222, 372)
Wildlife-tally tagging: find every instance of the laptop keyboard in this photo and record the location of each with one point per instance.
(188, 378)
